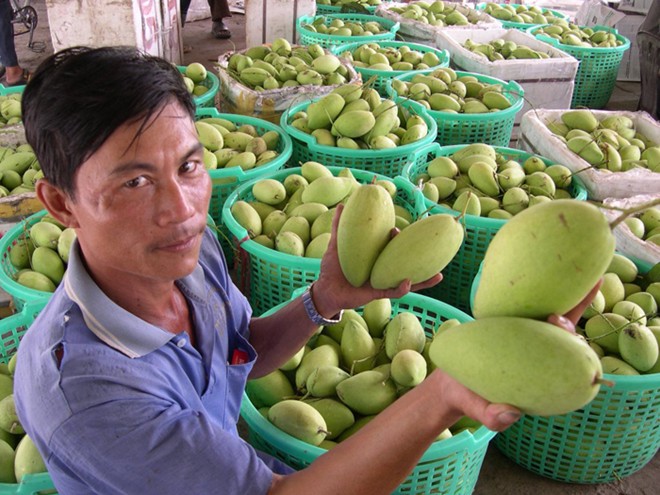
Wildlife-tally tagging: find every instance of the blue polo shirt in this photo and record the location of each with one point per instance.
(131, 408)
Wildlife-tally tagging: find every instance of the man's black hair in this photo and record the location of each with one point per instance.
(79, 96)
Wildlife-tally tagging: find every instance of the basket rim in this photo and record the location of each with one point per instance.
(468, 219)
(212, 91)
(514, 90)
(313, 145)
(281, 160)
(308, 452)
(443, 55)
(391, 26)
(583, 49)
(301, 262)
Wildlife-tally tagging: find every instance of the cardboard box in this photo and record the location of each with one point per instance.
(635, 6)
(548, 83)
(628, 27)
(150, 25)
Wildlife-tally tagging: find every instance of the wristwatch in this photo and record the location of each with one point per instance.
(313, 314)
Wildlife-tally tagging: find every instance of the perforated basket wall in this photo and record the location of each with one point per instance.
(268, 277)
(309, 37)
(459, 274)
(597, 72)
(493, 128)
(225, 180)
(448, 467)
(381, 77)
(389, 162)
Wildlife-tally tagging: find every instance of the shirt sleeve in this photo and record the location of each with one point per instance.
(150, 445)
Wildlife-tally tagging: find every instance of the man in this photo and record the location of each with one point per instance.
(126, 380)
(219, 10)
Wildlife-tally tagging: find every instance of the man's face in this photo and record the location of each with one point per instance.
(141, 201)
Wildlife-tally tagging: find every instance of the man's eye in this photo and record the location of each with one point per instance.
(136, 182)
(189, 166)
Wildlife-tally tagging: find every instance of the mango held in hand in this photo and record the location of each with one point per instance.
(364, 231)
(544, 261)
(418, 252)
(537, 367)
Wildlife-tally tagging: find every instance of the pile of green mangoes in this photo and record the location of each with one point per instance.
(279, 65)
(193, 76)
(645, 225)
(19, 170)
(10, 109)
(227, 145)
(389, 58)
(622, 323)
(479, 181)
(521, 14)
(356, 117)
(339, 27)
(573, 35)
(41, 254)
(438, 13)
(340, 3)
(611, 144)
(347, 374)
(294, 216)
(18, 454)
(444, 91)
(499, 49)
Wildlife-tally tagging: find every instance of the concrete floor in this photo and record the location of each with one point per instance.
(499, 475)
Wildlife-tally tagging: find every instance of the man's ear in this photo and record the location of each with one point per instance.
(57, 202)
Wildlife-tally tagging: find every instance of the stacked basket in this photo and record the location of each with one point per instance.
(479, 231)
(309, 37)
(225, 180)
(449, 467)
(389, 161)
(268, 277)
(596, 75)
(493, 128)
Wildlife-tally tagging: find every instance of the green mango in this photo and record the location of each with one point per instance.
(537, 367)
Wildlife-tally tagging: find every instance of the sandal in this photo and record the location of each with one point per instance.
(2, 71)
(21, 81)
(220, 31)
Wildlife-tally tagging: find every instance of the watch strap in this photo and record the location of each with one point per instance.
(312, 312)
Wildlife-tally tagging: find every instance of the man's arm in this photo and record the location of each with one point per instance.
(278, 336)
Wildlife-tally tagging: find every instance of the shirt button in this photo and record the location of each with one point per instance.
(181, 343)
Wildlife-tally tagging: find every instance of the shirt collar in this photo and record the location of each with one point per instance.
(111, 323)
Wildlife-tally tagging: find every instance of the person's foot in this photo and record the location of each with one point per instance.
(220, 31)
(15, 76)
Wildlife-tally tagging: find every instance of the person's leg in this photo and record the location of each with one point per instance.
(219, 10)
(185, 4)
(8, 58)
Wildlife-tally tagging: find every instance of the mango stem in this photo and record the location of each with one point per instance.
(631, 211)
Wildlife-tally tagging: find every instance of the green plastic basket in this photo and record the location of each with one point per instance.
(268, 277)
(389, 162)
(523, 26)
(597, 72)
(212, 82)
(6, 90)
(308, 37)
(380, 76)
(19, 293)
(612, 437)
(225, 180)
(459, 274)
(12, 329)
(492, 128)
(449, 467)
